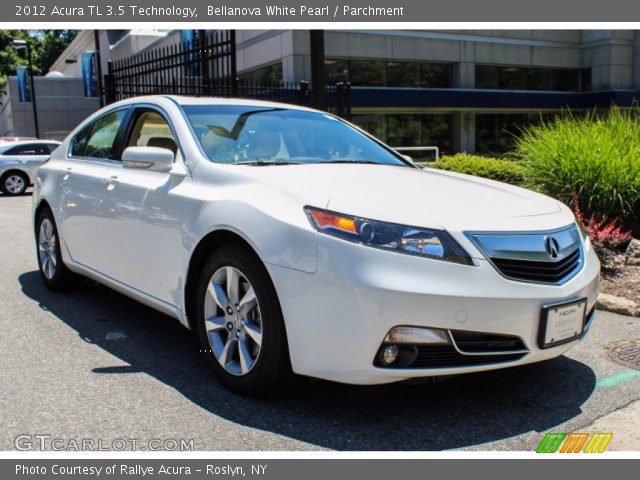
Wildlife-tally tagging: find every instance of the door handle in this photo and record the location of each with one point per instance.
(110, 182)
(64, 175)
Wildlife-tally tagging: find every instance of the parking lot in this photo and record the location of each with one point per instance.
(94, 364)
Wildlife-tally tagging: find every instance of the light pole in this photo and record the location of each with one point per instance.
(18, 45)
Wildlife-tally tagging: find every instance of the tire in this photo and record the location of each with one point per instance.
(14, 183)
(53, 271)
(244, 340)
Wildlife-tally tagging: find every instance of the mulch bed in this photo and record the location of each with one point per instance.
(617, 278)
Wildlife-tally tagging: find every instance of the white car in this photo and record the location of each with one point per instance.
(293, 242)
(19, 162)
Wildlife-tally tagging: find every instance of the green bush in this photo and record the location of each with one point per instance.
(502, 170)
(595, 159)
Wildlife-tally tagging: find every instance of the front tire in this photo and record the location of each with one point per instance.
(14, 183)
(240, 322)
(53, 271)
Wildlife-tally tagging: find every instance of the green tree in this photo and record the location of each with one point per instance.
(46, 46)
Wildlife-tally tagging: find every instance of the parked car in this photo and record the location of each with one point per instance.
(19, 161)
(293, 241)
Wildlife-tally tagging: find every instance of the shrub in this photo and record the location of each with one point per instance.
(603, 233)
(594, 159)
(502, 170)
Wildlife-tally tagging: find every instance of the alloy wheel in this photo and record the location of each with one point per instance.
(47, 248)
(14, 184)
(233, 321)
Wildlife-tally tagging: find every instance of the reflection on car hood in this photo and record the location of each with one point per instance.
(405, 195)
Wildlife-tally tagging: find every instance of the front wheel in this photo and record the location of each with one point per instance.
(14, 183)
(53, 271)
(240, 322)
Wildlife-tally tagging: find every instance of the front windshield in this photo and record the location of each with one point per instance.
(240, 134)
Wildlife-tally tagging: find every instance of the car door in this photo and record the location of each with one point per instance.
(82, 177)
(146, 236)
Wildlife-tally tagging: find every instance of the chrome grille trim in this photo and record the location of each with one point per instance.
(526, 256)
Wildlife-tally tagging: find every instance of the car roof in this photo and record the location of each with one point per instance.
(182, 100)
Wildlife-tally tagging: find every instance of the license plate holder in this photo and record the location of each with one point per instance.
(562, 323)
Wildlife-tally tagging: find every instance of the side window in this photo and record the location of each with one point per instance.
(30, 149)
(151, 130)
(52, 146)
(98, 140)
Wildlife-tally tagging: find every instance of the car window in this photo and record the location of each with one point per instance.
(152, 130)
(29, 149)
(98, 140)
(241, 134)
(52, 146)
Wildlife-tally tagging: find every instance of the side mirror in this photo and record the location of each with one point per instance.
(407, 158)
(155, 159)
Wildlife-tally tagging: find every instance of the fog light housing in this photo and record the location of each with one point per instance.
(389, 354)
(417, 335)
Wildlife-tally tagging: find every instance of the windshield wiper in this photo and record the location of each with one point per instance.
(265, 163)
(344, 160)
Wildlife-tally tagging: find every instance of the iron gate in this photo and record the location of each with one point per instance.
(207, 67)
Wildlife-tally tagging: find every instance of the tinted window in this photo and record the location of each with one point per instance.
(98, 140)
(29, 149)
(234, 134)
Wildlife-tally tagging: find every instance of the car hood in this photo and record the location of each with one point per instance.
(427, 197)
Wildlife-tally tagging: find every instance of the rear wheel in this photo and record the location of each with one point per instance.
(14, 183)
(240, 322)
(53, 271)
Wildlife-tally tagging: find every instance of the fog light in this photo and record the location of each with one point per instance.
(416, 335)
(390, 354)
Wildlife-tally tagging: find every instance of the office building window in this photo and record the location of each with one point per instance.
(521, 78)
(271, 74)
(387, 73)
(416, 130)
(496, 133)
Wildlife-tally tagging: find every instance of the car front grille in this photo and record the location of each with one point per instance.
(474, 342)
(534, 271)
(550, 257)
(446, 356)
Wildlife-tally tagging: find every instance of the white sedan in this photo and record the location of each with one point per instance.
(19, 161)
(294, 242)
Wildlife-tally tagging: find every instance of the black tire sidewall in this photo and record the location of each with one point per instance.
(272, 367)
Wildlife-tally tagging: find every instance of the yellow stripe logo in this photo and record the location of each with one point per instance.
(574, 442)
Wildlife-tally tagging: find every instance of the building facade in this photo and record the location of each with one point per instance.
(459, 90)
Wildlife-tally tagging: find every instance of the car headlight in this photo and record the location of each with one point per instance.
(424, 242)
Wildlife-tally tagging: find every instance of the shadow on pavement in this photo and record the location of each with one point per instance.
(460, 412)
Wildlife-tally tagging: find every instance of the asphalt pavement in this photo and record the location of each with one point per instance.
(93, 364)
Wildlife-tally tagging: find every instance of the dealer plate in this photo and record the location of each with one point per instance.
(562, 323)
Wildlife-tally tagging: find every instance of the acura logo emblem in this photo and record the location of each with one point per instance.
(551, 246)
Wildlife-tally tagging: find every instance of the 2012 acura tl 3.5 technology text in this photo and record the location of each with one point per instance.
(293, 242)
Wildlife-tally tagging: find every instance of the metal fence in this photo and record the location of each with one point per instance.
(207, 67)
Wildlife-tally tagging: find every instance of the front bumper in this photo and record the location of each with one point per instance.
(337, 318)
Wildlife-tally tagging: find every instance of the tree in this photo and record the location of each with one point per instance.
(46, 46)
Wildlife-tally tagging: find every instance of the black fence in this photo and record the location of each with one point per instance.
(206, 67)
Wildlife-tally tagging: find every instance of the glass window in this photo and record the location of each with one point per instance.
(497, 133)
(436, 75)
(271, 74)
(152, 130)
(391, 73)
(98, 140)
(245, 134)
(403, 74)
(29, 149)
(521, 78)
